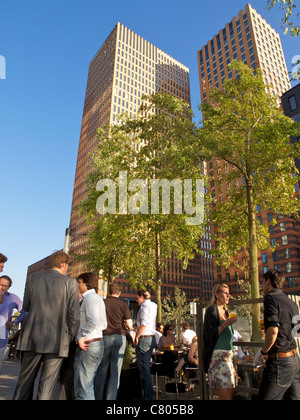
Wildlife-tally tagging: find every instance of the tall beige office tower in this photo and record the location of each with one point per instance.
(249, 38)
(125, 68)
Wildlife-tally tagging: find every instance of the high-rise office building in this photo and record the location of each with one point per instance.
(291, 108)
(249, 38)
(125, 68)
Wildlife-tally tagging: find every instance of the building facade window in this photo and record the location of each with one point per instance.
(282, 227)
(288, 267)
(293, 103)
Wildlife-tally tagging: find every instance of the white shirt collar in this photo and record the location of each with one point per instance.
(88, 292)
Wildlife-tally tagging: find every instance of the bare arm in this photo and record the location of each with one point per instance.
(139, 333)
(192, 351)
(128, 324)
(226, 324)
(271, 337)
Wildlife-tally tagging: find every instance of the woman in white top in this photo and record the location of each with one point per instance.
(187, 334)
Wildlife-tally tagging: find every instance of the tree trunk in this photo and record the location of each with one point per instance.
(256, 333)
(110, 277)
(158, 277)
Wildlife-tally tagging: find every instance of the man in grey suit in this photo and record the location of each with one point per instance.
(52, 302)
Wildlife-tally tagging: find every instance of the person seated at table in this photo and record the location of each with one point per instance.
(192, 358)
(167, 339)
(187, 334)
(158, 332)
(238, 351)
(193, 352)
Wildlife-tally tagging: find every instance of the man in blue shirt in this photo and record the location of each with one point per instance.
(89, 337)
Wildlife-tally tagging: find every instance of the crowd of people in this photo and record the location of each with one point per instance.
(70, 334)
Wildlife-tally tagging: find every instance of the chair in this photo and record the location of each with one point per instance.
(154, 371)
(191, 372)
(164, 365)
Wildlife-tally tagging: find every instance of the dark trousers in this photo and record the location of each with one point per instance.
(143, 353)
(281, 379)
(31, 364)
(67, 391)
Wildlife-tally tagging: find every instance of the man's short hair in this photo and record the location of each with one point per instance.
(59, 258)
(8, 279)
(114, 288)
(144, 293)
(3, 258)
(90, 279)
(276, 277)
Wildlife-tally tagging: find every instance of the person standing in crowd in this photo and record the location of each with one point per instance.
(3, 260)
(187, 334)
(8, 302)
(114, 338)
(90, 337)
(145, 340)
(52, 306)
(281, 376)
(66, 376)
(218, 344)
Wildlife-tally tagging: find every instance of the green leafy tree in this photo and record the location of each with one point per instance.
(109, 235)
(245, 311)
(288, 8)
(157, 145)
(177, 310)
(244, 129)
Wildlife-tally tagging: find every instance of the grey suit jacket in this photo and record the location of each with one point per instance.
(52, 303)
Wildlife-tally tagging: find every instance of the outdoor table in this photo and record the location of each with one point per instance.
(165, 365)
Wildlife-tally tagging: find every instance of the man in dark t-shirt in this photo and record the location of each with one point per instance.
(118, 321)
(281, 377)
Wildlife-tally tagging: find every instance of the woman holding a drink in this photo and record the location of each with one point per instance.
(167, 340)
(218, 344)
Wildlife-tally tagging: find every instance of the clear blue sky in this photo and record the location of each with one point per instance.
(48, 46)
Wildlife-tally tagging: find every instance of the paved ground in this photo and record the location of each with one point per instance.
(8, 378)
(10, 371)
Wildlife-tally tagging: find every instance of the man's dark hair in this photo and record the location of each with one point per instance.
(144, 293)
(3, 258)
(8, 279)
(166, 328)
(276, 277)
(90, 279)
